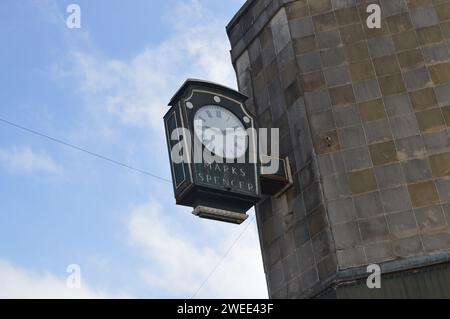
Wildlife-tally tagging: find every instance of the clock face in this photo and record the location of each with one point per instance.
(220, 131)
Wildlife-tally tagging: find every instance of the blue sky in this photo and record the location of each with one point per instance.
(105, 88)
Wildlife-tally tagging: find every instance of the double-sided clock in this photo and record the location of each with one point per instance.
(218, 125)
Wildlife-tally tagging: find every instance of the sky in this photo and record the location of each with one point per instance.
(105, 88)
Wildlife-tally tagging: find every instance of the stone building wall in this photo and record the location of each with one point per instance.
(364, 116)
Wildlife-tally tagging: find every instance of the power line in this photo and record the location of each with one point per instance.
(223, 257)
(102, 157)
(99, 156)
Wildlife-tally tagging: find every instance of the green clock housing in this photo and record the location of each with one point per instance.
(223, 190)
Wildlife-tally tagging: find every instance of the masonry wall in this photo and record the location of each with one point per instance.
(364, 117)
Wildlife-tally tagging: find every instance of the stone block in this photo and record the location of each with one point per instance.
(347, 116)
(339, 4)
(346, 16)
(381, 46)
(362, 70)
(446, 113)
(336, 187)
(327, 267)
(357, 158)
(337, 76)
(326, 142)
(429, 35)
(352, 33)
(411, 147)
(431, 120)
(342, 95)
(436, 53)
(319, 6)
(405, 41)
(305, 45)
(368, 205)
(332, 57)
(317, 221)
(362, 181)
(383, 153)
(403, 224)
(392, 7)
(443, 185)
(407, 247)
(322, 245)
(417, 79)
(324, 22)
(404, 126)
(351, 257)
(440, 164)
(443, 11)
(301, 27)
(378, 131)
(346, 235)
(386, 65)
(379, 252)
(443, 94)
(423, 99)
(352, 136)
(312, 197)
(423, 194)
(305, 256)
(430, 218)
(309, 62)
(372, 110)
(389, 175)
(416, 170)
(297, 9)
(357, 51)
(328, 39)
(397, 104)
(392, 84)
(323, 121)
(310, 277)
(290, 267)
(374, 230)
(437, 142)
(330, 164)
(341, 211)
(436, 242)
(424, 17)
(317, 101)
(440, 73)
(399, 23)
(395, 199)
(367, 90)
(313, 81)
(280, 31)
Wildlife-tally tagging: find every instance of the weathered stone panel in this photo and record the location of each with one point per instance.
(364, 116)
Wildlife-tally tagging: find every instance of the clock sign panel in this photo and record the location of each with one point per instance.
(218, 170)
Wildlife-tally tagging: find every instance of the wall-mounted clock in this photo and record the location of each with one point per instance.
(228, 188)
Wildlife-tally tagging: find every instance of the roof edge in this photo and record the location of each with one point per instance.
(245, 7)
(209, 84)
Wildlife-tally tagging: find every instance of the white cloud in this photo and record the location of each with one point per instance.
(179, 263)
(16, 283)
(137, 91)
(25, 160)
